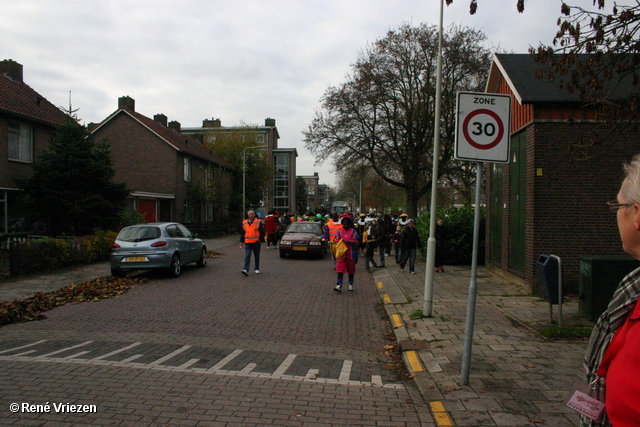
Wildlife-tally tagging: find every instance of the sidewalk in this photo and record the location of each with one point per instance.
(23, 287)
(517, 377)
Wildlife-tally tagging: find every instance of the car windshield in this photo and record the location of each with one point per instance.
(139, 234)
(298, 227)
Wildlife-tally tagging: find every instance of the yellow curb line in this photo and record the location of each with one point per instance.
(414, 361)
(380, 286)
(440, 415)
(397, 322)
(386, 299)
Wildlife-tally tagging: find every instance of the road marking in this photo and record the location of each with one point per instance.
(380, 285)
(414, 361)
(286, 363)
(345, 372)
(311, 376)
(440, 414)
(386, 299)
(104, 356)
(170, 355)
(62, 350)
(23, 346)
(227, 359)
(397, 322)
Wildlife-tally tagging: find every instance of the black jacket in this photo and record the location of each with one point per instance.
(409, 239)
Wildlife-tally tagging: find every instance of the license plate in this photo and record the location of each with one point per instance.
(299, 248)
(136, 258)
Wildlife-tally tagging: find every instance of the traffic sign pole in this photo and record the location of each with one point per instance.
(483, 131)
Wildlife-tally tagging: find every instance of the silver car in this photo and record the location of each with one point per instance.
(163, 245)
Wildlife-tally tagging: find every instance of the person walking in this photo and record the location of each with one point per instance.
(271, 226)
(612, 359)
(409, 244)
(372, 244)
(384, 241)
(395, 241)
(251, 235)
(347, 263)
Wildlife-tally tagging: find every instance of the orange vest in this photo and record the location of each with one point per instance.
(333, 230)
(251, 231)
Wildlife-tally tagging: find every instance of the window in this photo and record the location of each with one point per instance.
(20, 143)
(187, 169)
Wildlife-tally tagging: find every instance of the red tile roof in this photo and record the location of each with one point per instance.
(18, 98)
(178, 140)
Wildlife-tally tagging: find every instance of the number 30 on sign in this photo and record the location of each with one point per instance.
(483, 127)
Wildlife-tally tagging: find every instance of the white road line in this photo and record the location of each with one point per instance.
(104, 356)
(131, 359)
(286, 363)
(23, 346)
(229, 358)
(64, 349)
(249, 368)
(73, 356)
(188, 363)
(312, 374)
(170, 355)
(345, 372)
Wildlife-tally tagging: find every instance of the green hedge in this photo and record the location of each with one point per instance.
(48, 254)
(458, 223)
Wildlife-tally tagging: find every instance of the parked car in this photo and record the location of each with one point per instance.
(303, 237)
(157, 245)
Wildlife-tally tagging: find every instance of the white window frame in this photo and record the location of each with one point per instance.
(20, 142)
(187, 169)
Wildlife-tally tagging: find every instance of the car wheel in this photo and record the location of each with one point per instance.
(283, 254)
(118, 272)
(202, 262)
(175, 267)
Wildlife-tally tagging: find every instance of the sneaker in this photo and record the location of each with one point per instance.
(257, 271)
(413, 272)
(245, 273)
(402, 270)
(338, 288)
(382, 266)
(351, 287)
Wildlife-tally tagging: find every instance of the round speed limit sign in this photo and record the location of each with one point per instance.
(483, 127)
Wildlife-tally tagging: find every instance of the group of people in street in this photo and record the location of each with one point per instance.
(364, 237)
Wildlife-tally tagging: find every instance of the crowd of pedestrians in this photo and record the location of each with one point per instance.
(370, 236)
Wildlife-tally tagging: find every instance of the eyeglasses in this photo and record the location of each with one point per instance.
(614, 206)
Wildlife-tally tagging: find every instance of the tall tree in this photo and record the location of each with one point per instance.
(383, 114)
(72, 188)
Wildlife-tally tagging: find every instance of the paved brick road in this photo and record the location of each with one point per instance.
(213, 348)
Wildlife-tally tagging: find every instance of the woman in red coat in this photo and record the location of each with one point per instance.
(347, 263)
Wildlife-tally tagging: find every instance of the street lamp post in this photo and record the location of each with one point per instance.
(244, 178)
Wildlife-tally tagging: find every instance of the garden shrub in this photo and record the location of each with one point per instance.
(458, 223)
(48, 254)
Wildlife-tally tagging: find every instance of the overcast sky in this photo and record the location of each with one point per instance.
(239, 61)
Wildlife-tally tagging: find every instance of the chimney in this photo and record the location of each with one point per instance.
(126, 102)
(12, 69)
(175, 125)
(270, 122)
(213, 123)
(161, 118)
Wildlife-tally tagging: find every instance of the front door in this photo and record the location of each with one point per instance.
(147, 208)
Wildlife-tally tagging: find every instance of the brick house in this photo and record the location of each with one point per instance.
(548, 200)
(171, 176)
(27, 124)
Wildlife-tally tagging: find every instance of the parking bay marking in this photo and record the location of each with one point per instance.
(248, 370)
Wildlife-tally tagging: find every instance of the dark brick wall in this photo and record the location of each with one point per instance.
(566, 211)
